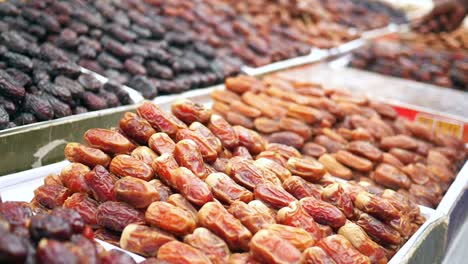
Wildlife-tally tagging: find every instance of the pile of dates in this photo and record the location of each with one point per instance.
(455, 41)
(59, 236)
(188, 187)
(415, 63)
(352, 137)
(363, 15)
(38, 83)
(127, 41)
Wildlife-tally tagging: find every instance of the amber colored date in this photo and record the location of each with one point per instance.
(51, 196)
(180, 201)
(365, 149)
(316, 255)
(307, 114)
(189, 112)
(159, 119)
(191, 187)
(298, 237)
(224, 131)
(205, 133)
(144, 240)
(144, 154)
(250, 139)
(376, 206)
(266, 125)
(163, 166)
(391, 177)
(252, 219)
(335, 194)
(210, 244)
(214, 217)
(125, 165)
(308, 169)
(178, 252)
(170, 218)
(108, 141)
(341, 250)
(163, 191)
(241, 151)
(313, 149)
(208, 151)
(136, 192)
(301, 188)
(136, 128)
(323, 212)
(335, 168)
(242, 258)
(85, 206)
(161, 143)
(73, 177)
(244, 172)
(281, 172)
(295, 215)
(268, 247)
(188, 155)
(418, 173)
(116, 215)
(227, 190)
(353, 161)
(379, 231)
(76, 152)
(273, 195)
(285, 151)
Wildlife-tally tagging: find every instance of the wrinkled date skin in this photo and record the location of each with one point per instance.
(135, 192)
(253, 219)
(51, 196)
(210, 244)
(273, 195)
(159, 119)
(336, 195)
(144, 154)
(170, 218)
(365, 149)
(227, 190)
(125, 165)
(163, 166)
(295, 215)
(52, 251)
(16, 213)
(323, 212)
(353, 161)
(310, 170)
(206, 133)
(208, 151)
(250, 139)
(101, 183)
(218, 220)
(281, 172)
(224, 131)
(179, 201)
(73, 177)
(285, 151)
(76, 152)
(242, 258)
(49, 226)
(161, 143)
(335, 168)
(117, 215)
(316, 255)
(268, 247)
(136, 128)
(191, 187)
(188, 155)
(189, 112)
(85, 206)
(361, 241)
(301, 188)
(341, 250)
(178, 252)
(244, 172)
(144, 240)
(108, 141)
(298, 237)
(241, 151)
(377, 206)
(390, 176)
(380, 232)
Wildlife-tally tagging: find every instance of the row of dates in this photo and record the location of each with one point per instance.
(353, 137)
(224, 191)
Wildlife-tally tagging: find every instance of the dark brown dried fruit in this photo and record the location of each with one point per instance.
(116, 215)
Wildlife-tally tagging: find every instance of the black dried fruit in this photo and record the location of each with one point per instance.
(74, 87)
(67, 39)
(49, 226)
(16, 60)
(91, 65)
(4, 118)
(177, 38)
(160, 71)
(60, 108)
(122, 34)
(93, 101)
(86, 51)
(8, 9)
(14, 41)
(8, 105)
(116, 89)
(205, 50)
(79, 110)
(40, 76)
(12, 248)
(89, 82)
(134, 67)
(140, 31)
(111, 99)
(159, 54)
(69, 69)
(115, 47)
(60, 92)
(41, 108)
(21, 78)
(109, 61)
(8, 88)
(71, 217)
(51, 53)
(144, 86)
(25, 119)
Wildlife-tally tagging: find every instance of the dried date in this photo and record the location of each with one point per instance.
(144, 240)
(76, 152)
(170, 218)
(136, 192)
(226, 190)
(117, 215)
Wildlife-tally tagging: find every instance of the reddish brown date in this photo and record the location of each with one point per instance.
(85, 206)
(179, 201)
(178, 252)
(281, 172)
(108, 141)
(377, 206)
(241, 151)
(314, 150)
(208, 151)
(76, 152)
(159, 119)
(163, 191)
(205, 133)
(125, 165)
(316, 255)
(353, 161)
(163, 166)
(268, 247)
(227, 190)
(189, 112)
(308, 169)
(136, 192)
(136, 128)
(161, 143)
(188, 155)
(210, 244)
(335, 194)
(335, 168)
(170, 218)
(191, 187)
(242, 258)
(295, 215)
(249, 217)
(285, 151)
(116, 215)
(144, 240)
(301, 188)
(298, 237)
(144, 154)
(250, 139)
(391, 177)
(365, 149)
(222, 130)
(214, 217)
(341, 250)
(380, 232)
(244, 172)
(51, 196)
(73, 177)
(16, 213)
(273, 195)
(398, 141)
(322, 212)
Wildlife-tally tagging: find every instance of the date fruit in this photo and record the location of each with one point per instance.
(178, 252)
(170, 218)
(210, 244)
(227, 190)
(268, 247)
(125, 165)
(117, 215)
(108, 141)
(136, 192)
(144, 240)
